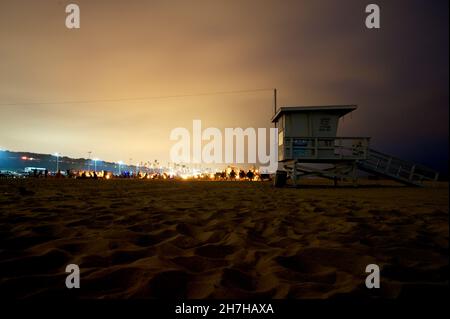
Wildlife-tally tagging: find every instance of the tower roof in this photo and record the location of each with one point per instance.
(341, 110)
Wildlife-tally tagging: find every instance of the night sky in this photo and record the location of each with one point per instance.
(314, 52)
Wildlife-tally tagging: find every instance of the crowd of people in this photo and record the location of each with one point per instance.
(250, 175)
(229, 174)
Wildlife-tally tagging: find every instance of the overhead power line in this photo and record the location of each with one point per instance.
(137, 98)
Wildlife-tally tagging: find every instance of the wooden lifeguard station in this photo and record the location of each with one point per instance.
(307, 135)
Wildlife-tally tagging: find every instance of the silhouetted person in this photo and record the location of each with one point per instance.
(241, 174)
(250, 175)
(232, 174)
(46, 173)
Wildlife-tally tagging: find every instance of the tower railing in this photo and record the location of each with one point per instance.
(324, 148)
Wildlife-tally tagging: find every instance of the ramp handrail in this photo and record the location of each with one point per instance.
(391, 165)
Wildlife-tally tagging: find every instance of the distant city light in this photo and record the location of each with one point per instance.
(95, 164)
(27, 158)
(57, 161)
(120, 163)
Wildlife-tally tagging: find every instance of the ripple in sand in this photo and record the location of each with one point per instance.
(94, 261)
(235, 278)
(215, 251)
(129, 256)
(153, 239)
(25, 242)
(116, 280)
(49, 262)
(198, 264)
(166, 285)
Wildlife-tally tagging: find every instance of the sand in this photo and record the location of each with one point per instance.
(185, 239)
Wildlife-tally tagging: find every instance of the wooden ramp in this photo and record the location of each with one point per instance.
(394, 168)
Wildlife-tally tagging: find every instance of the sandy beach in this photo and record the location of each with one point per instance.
(186, 239)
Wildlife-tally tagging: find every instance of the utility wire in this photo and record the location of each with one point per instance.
(137, 99)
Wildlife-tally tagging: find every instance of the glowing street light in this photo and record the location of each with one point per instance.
(95, 164)
(57, 161)
(120, 163)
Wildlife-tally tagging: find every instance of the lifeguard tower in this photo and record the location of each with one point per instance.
(307, 135)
